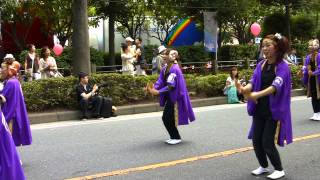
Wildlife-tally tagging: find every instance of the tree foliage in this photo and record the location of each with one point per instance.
(57, 18)
(18, 14)
(303, 28)
(129, 15)
(163, 18)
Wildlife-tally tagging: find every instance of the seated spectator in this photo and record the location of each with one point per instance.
(89, 99)
(230, 89)
(47, 65)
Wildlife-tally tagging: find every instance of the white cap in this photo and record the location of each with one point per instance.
(8, 56)
(129, 39)
(161, 49)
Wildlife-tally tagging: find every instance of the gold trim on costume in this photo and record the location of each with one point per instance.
(276, 136)
(10, 125)
(176, 114)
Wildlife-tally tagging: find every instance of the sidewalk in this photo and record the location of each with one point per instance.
(37, 118)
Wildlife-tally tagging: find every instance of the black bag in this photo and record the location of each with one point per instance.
(106, 108)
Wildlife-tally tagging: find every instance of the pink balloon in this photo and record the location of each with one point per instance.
(255, 29)
(57, 49)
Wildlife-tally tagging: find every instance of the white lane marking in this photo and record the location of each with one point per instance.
(138, 116)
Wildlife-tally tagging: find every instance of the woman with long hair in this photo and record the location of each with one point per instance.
(268, 94)
(48, 66)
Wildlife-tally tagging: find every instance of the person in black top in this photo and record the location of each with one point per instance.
(141, 61)
(268, 93)
(87, 96)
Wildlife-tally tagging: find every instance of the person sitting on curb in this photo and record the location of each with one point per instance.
(88, 96)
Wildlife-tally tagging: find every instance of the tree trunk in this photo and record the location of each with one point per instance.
(288, 20)
(80, 38)
(112, 60)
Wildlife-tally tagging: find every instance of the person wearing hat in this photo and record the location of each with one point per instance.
(8, 58)
(88, 96)
(131, 46)
(158, 62)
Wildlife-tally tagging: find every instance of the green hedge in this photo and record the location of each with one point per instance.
(56, 93)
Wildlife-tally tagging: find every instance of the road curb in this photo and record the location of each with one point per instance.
(37, 118)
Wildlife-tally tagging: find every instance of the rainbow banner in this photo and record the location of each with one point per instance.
(177, 30)
(184, 33)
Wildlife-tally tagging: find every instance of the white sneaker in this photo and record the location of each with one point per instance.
(174, 141)
(167, 141)
(260, 170)
(276, 174)
(313, 116)
(317, 118)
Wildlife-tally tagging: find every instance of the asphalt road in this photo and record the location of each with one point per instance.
(75, 149)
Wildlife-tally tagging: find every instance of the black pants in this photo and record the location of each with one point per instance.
(95, 102)
(314, 100)
(263, 141)
(169, 120)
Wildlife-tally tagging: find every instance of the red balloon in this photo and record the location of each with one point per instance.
(255, 29)
(57, 49)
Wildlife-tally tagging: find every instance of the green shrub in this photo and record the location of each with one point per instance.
(106, 58)
(54, 93)
(301, 48)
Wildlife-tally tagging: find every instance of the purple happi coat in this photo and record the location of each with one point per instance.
(10, 167)
(178, 94)
(279, 102)
(305, 78)
(15, 109)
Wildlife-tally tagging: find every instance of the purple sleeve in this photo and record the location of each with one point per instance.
(171, 83)
(305, 71)
(281, 76)
(159, 84)
(9, 93)
(317, 71)
(253, 77)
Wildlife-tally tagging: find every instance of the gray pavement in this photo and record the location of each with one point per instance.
(73, 149)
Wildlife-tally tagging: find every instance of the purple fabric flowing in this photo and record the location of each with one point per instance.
(178, 95)
(15, 109)
(305, 69)
(10, 167)
(279, 102)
